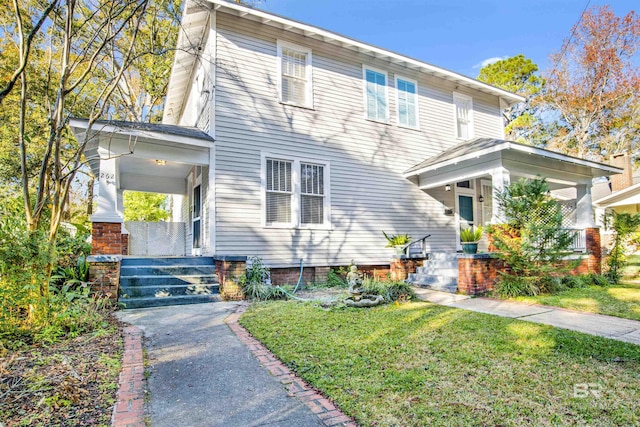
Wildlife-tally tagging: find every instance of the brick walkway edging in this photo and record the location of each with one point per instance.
(326, 410)
(129, 408)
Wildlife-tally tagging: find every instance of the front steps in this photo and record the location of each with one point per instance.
(155, 282)
(439, 272)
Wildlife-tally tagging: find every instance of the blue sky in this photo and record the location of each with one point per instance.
(457, 35)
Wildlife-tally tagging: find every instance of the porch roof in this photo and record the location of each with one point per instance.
(150, 157)
(626, 196)
(482, 148)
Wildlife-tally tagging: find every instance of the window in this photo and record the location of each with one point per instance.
(295, 193)
(464, 116)
(294, 69)
(279, 191)
(407, 92)
(376, 95)
(311, 193)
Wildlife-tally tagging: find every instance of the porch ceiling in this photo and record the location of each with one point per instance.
(476, 158)
(150, 157)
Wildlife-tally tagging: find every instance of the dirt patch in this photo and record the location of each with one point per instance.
(70, 383)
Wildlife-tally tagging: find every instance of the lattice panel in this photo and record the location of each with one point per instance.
(156, 238)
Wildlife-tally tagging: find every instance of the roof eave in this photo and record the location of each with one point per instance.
(508, 145)
(325, 36)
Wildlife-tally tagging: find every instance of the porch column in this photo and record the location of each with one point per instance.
(500, 178)
(584, 207)
(107, 222)
(108, 197)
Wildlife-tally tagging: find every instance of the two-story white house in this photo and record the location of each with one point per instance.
(287, 141)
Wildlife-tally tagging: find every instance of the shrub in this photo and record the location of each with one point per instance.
(624, 225)
(532, 242)
(336, 279)
(510, 286)
(254, 282)
(390, 291)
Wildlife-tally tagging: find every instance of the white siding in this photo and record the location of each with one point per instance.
(367, 159)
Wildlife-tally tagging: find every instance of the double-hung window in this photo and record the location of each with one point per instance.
(311, 193)
(375, 92)
(407, 102)
(294, 69)
(296, 193)
(279, 191)
(463, 105)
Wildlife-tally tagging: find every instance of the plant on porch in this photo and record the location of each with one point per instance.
(532, 242)
(469, 237)
(397, 241)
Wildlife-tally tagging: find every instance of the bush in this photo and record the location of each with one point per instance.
(510, 286)
(254, 282)
(390, 291)
(624, 225)
(336, 279)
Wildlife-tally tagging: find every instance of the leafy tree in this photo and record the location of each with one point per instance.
(595, 85)
(139, 206)
(532, 242)
(518, 75)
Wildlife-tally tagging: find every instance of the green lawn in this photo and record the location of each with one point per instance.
(421, 364)
(621, 300)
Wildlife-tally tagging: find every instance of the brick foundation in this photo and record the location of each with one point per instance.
(290, 275)
(401, 267)
(107, 239)
(478, 274)
(229, 270)
(104, 275)
(125, 244)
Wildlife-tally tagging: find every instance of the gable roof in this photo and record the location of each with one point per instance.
(479, 147)
(195, 22)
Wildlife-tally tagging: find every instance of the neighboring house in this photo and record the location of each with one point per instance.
(289, 142)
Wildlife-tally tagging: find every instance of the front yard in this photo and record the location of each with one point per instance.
(421, 364)
(622, 300)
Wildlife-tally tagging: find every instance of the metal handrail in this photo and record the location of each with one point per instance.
(413, 242)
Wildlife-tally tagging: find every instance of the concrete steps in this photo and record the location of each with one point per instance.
(439, 272)
(155, 282)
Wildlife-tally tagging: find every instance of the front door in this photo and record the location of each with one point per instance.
(465, 208)
(197, 220)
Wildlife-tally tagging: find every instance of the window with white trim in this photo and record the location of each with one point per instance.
(279, 192)
(296, 193)
(376, 103)
(294, 69)
(463, 105)
(407, 102)
(311, 193)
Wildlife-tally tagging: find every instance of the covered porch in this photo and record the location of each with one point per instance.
(153, 158)
(466, 178)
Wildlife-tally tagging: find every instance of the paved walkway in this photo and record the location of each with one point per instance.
(589, 323)
(202, 374)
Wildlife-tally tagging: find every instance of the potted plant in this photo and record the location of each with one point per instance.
(469, 237)
(397, 241)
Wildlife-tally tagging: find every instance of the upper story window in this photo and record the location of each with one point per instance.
(296, 193)
(407, 103)
(376, 104)
(294, 69)
(463, 105)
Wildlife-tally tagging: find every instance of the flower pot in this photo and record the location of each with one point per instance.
(399, 250)
(470, 247)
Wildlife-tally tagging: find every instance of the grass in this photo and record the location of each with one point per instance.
(420, 364)
(621, 300)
